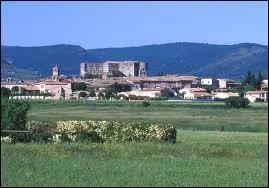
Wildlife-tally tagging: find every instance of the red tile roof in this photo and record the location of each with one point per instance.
(202, 94)
(256, 92)
(196, 89)
(152, 89)
(13, 83)
(162, 78)
(54, 82)
(31, 88)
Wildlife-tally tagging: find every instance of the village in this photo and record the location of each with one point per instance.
(131, 77)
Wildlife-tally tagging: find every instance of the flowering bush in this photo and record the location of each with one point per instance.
(5, 139)
(105, 131)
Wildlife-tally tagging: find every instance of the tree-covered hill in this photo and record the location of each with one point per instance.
(206, 60)
(231, 61)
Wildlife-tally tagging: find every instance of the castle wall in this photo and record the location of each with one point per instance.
(93, 68)
(129, 68)
(143, 69)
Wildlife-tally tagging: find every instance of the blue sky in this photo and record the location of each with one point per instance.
(121, 24)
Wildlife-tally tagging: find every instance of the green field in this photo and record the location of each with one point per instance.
(202, 156)
(191, 116)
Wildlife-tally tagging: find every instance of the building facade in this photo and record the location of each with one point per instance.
(227, 83)
(58, 88)
(210, 82)
(128, 68)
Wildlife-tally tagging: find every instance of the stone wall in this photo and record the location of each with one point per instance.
(129, 68)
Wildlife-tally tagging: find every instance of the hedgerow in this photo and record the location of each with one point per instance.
(104, 131)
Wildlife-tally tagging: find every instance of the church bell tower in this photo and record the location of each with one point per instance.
(56, 72)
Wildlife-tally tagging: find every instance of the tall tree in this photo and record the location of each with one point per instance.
(253, 80)
(167, 93)
(79, 86)
(92, 93)
(259, 81)
(248, 78)
(15, 89)
(5, 92)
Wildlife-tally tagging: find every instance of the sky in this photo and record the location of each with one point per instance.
(123, 24)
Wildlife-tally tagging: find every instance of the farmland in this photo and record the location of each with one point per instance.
(202, 156)
(190, 116)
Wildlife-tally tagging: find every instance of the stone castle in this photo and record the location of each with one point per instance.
(128, 68)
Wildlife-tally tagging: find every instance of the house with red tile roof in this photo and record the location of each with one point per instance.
(252, 96)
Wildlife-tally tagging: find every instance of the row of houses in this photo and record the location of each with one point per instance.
(187, 86)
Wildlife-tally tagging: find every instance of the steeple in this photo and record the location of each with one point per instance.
(56, 72)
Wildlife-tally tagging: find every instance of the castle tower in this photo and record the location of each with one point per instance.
(56, 72)
(83, 69)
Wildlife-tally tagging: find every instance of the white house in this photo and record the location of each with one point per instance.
(264, 85)
(188, 90)
(146, 92)
(198, 95)
(11, 85)
(224, 95)
(253, 95)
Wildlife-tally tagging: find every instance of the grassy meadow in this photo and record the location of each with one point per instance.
(190, 116)
(202, 156)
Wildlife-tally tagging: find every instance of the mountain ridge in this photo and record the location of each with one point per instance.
(201, 59)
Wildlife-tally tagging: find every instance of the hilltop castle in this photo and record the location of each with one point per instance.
(128, 68)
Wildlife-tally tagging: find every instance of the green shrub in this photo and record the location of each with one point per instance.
(13, 114)
(146, 103)
(41, 131)
(89, 136)
(77, 86)
(5, 92)
(82, 94)
(65, 137)
(170, 134)
(92, 93)
(134, 97)
(167, 93)
(159, 98)
(20, 137)
(109, 94)
(43, 136)
(236, 102)
(259, 100)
